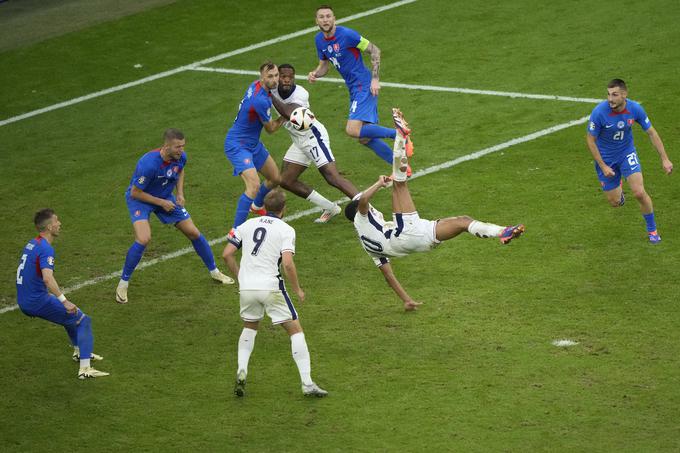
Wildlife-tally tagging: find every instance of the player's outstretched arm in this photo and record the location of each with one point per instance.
(391, 279)
(595, 151)
(291, 274)
(179, 189)
(320, 71)
(229, 257)
(658, 144)
(284, 109)
(53, 287)
(367, 194)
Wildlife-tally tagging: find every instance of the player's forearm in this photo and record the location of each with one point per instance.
(374, 51)
(179, 188)
(366, 197)
(594, 150)
(321, 70)
(231, 264)
(392, 281)
(658, 144)
(284, 109)
(291, 275)
(140, 195)
(52, 285)
(273, 125)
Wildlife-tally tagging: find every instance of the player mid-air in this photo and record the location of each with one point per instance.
(158, 173)
(309, 145)
(38, 293)
(610, 140)
(343, 47)
(408, 233)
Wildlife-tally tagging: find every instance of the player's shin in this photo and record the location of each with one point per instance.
(246, 344)
(399, 159)
(132, 259)
(301, 356)
(203, 250)
(484, 230)
(381, 149)
(85, 340)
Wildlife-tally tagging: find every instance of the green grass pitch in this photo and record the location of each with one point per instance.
(474, 369)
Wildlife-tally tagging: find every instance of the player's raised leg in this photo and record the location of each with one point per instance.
(451, 227)
(203, 250)
(289, 180)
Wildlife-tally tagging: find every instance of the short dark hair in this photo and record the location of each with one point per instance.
(617, 83)
(42, 218)
(267, 66)
(286, 66)
(275, 201)
(172, 134)
(351, 210)
(325, 7)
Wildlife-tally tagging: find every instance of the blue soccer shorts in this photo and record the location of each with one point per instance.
(51, 310)
(141, 211)
(624, 166)
(243, 158)
(363, 105)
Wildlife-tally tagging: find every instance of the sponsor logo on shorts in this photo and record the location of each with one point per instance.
(138, 213)
(246, 161)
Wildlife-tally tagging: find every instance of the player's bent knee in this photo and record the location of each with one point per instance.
(84, 320)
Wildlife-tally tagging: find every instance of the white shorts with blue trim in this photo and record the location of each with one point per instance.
(413, 234)
(276, 303)
(313, 146)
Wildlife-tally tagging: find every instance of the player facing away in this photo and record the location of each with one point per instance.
(343, 47)
(408, 233)
(610, 140)
(311, 145)
(38, 293)
(157, 174)
(243, 148)
(267, 242)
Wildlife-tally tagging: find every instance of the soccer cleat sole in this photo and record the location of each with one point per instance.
(517, 231)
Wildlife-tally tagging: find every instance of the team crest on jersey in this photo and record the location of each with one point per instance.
(330, 48)
(50, 260)
(138, 213)
(141, 179)
(336, 47)
(169, 172)
(620, 124)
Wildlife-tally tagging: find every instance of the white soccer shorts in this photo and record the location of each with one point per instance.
(276, 303)
(314, 146)
(413, 234)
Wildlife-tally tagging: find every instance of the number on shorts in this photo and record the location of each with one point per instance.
(632, 159)
(20, 278)
(371, 245)
(618, 135)
(258, 237)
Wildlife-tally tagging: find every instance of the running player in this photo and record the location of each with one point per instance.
(157, 174)
(243, 148)
(610, 140)
(38, 293)
(342, 46)
(408, 233)
(311, 145)
(267, 242)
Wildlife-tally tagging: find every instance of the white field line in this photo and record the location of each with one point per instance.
(192, 65)
(509, 94)
(297, 215)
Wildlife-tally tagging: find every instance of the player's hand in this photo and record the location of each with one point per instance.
(383, 181)
(607, 171)
(180, 200)
(167, 205)
(375, 87)
(311, 77)
(301, 294)
(70, 307)
(667, 166)
(411, 305)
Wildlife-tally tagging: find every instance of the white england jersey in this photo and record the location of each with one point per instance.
(374, 234)
(299, 96)
(262, 240)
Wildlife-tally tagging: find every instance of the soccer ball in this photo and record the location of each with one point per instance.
(301, 118)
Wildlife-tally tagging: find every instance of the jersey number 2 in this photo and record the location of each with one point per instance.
(20, 278)
(258, 238)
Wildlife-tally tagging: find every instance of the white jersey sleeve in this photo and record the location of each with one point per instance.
(373, 235)
(262, 241)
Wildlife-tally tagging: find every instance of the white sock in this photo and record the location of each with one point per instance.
(123, 284)
(484, 230)
(319, 200)
(246, 344)
(214, 271)
(399, 158)
(85, 363)
(301, 356)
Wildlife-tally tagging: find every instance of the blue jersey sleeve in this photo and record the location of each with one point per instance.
(144, 175)
(263, 108)
(641, 117)
(352, 37)
(46, 255)
(595, 123)
(319, 46)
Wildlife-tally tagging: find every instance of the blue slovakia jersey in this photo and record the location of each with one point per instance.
(155, 176)
(613, 130)
(255, 109)
(36, 256)
(341, 49)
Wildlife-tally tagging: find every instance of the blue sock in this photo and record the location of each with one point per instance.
(85, 338)
(376, 131)
(381, 149)
(134, 255)
(72, 332)
(203, 249)
(242, 209)
(259, 198)
(651, 223)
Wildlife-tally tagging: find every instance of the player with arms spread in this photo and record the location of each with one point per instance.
(243, 148)
(311, 145)
(610, 140)
(157, 174)
(408, 233)
(267, 242)
(342, 47)
(38, 293)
